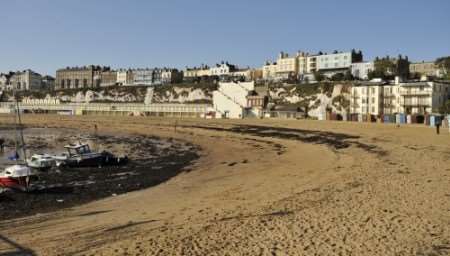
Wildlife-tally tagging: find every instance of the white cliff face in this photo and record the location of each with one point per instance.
(79, 97)
(149, 96)
(318, 102)
(182, 95)
(319, 106)
(89, 96)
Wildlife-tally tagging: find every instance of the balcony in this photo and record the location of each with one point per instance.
(415, 104)
(415, 93)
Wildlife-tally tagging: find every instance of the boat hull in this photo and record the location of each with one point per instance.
(99, 160)
(18, 183)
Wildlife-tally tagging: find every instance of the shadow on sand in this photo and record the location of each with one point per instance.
(17, 249)
(331, 139)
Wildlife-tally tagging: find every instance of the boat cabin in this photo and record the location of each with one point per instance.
(17, 171)
(78, 149)
(37, 157)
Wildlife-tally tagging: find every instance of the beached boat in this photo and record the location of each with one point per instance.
(17, 177)
(81, 155)
(41, 162)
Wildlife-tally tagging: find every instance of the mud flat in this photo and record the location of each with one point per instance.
(152, 161)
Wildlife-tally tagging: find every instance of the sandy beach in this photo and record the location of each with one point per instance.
(261, 187)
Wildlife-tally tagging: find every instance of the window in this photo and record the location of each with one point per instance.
(373, 109)
(373, 100)
(84, 83)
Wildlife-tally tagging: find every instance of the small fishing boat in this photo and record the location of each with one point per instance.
(17, 177)
(81, 155)
(41, 162)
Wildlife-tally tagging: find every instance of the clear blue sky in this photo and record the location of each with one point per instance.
(48, 34)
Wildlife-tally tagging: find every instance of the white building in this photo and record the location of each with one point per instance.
(143, 76)
(361, 70)
(367, 99)
(230, 100)
(401, 97)
(242, 74)
(26, 80)
(302, 63)
(298, 66)
(124, 77)
(193, 74)
(337, 62)
(171, 75)
(287, 66)
(223, 69)
(311, 64)
(4, 82)
(422, 97)
(269, 71)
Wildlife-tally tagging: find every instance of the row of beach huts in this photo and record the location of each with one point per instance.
(399, 118)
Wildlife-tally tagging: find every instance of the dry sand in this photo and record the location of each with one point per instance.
(263, 187)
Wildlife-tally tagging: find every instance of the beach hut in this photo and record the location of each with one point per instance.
(448, 122)
(435, 119)
(400, 118)
(427, 120)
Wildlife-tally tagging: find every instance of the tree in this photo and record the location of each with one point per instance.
(443, 63)
(319, 76)
(445, 108)
(376, 74)
(337, 77)
(387, 68)
(348, 76)
(414, 75)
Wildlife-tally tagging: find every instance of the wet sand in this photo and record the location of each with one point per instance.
(152, 161)
(263, 187)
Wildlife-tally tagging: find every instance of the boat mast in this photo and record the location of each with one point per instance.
(16, 145)
(19, 127)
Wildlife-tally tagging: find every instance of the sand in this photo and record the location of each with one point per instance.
(263, 187)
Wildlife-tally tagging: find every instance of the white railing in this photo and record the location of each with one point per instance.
(113, 107)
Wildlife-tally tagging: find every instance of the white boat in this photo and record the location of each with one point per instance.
(20, 175)
(17, 177)
(81, 155)
(41, 161)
